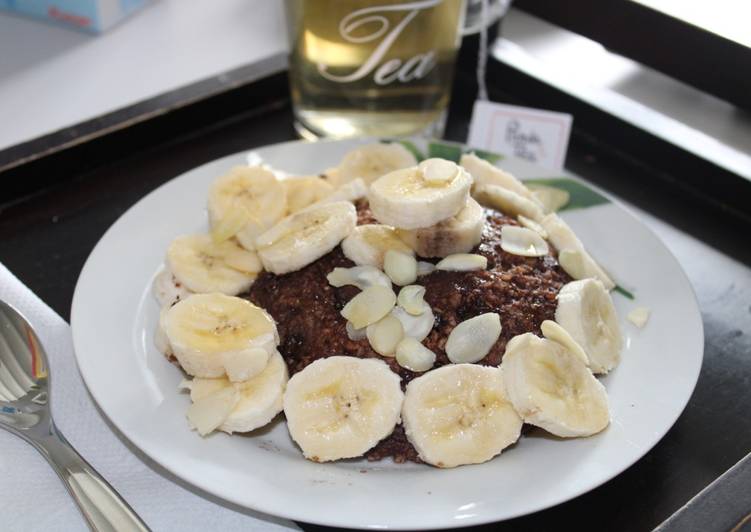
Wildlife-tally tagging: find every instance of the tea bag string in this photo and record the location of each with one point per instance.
(482, 52)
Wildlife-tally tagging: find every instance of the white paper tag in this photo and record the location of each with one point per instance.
(538, 136)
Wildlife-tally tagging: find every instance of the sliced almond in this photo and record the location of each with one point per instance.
(417, 327)
(208, 413)
(508, 202)
(639, 316)
(369, 306)
(360, 276)
(355, 334)
(424, 268)
(463, 262)
(384, 335)
(555, 333)
(531, 224)
(400, 267)
(472, 339)
(551, 198)
(438, 171)
(522, 241)
(412, 355)
(410, 298)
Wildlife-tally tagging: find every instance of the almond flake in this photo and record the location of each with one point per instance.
(417, 327)
(410, 298)
(522, 241)
(412, 355)
(384, 335)
(360, 276)
(369, 306)
(639, 316)
(355, 334)
(438, 171)
(400, 267)
(463, 262)
(424, 268)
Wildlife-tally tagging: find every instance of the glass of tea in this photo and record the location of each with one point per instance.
(372, 67)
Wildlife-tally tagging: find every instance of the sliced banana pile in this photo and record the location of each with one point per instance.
(213, 335)
(228, 345)
(551, 387)
(534, 208)
(430, 207)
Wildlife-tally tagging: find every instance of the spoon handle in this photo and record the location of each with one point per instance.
(100, 504)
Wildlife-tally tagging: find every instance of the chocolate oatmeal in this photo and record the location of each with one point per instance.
(522, 290)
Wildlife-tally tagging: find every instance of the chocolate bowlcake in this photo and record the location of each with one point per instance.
(318, 298)
(307, 308)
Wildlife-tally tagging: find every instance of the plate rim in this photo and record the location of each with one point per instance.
(291, 511)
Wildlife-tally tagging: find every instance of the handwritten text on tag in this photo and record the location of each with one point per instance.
(538, 136)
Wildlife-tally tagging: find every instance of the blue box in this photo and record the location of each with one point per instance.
(93, 16)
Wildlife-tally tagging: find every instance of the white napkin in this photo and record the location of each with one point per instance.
(33, 498)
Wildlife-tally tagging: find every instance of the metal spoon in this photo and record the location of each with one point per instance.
(25, 411)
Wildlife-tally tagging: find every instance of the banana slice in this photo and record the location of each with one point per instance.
(407, 199)
(551, 387)
(485, 173)
(202, 265)
(167, 290)
(351, 191)
(161, 342)
(458, 234)
(305, 236)
(371, 161)
(367, 244)
(340, 407)
(213, 334)
(257, 400)
(459, 414)
(508, 202)
(531, 224)
(244, 203)
(572, 256)
(555, 333)
(302, 191)
(585, 309)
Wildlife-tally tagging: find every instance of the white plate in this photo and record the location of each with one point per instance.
(114, 316)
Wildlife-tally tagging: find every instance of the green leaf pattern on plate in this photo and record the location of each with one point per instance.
(445, 150)
(581, 196)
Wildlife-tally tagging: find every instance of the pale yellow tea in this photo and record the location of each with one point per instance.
(372, 67)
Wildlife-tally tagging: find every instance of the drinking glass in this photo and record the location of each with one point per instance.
(372, 67)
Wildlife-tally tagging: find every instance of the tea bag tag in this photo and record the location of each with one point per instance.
(540, 137)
